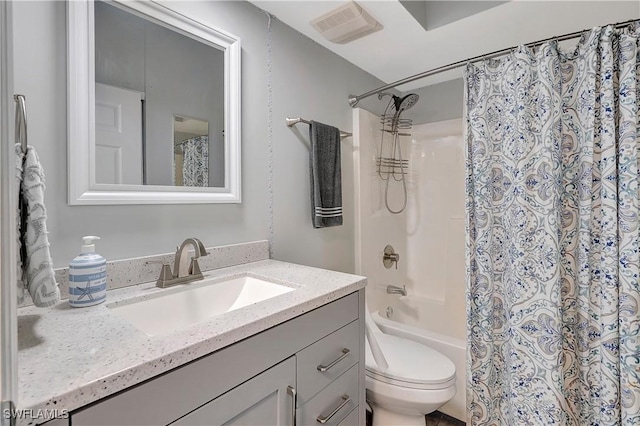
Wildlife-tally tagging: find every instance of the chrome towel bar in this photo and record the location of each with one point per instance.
(21, 121)
(293, 121)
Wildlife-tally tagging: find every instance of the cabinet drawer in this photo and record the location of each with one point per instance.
(343, 393)
(351, 419)
(334, 354)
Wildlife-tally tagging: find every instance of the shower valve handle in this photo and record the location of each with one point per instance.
(390, 257)
(393, 258)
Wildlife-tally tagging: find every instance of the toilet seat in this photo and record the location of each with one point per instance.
(411, 364)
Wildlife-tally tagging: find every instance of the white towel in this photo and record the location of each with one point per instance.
(35, 268)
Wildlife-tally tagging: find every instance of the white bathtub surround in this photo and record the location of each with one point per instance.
(435, 224)
(417, 311)
(76, 365)
(138, 270)
(376, 227)
(429, 235)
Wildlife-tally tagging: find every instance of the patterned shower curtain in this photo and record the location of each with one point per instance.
(553, 239)
(195, 166)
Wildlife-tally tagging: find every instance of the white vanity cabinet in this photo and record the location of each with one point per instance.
(308, 370)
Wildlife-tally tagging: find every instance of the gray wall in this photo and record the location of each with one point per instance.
(174, 86)
(442, 101)
(120, 51)
(178, 76)
(307, 81)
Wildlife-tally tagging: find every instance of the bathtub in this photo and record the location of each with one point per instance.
(405, 321)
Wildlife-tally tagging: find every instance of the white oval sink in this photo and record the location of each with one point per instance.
(195, 302)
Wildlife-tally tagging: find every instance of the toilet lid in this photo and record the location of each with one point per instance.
(410, 363)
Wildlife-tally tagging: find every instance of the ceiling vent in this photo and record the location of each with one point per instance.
(346, 23)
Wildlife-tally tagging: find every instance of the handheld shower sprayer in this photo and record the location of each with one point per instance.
(392, 119)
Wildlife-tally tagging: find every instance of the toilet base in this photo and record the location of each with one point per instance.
(384, 417)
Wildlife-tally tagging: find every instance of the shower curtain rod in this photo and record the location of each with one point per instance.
(353, 99)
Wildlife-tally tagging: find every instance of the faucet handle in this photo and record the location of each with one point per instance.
(194, 269)
(165, 275)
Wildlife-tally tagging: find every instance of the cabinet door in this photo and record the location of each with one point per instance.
(262, 400)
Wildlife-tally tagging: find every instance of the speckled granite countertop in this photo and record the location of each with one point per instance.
(70, 357)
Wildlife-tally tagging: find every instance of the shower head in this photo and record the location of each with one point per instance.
(403, 104)
(394, 109)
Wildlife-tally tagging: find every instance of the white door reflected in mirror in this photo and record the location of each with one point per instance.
(118, 135)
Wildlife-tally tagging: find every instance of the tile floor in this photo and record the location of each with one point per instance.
(440, 419)
(434, 419)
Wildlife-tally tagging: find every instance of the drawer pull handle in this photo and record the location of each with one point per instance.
(345, 400)
(345, 353)
(294, 401)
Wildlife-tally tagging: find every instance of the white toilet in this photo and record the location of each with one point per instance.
(417, 381)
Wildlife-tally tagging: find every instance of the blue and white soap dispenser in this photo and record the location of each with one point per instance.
(87, 276)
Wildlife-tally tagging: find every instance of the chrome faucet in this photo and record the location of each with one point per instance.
(394, 289)
(182, 256)
(181, 273)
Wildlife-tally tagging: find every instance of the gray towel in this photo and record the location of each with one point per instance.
(35, 268)
(326, 177)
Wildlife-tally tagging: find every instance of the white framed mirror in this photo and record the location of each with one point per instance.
(153, 106)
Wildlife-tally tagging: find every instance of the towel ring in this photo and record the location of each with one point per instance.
(21, 121)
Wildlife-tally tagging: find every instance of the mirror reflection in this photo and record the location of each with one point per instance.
(159, 104)
(191, 152)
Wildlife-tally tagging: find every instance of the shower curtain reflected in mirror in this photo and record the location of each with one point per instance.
(191, 162)
(553, 234)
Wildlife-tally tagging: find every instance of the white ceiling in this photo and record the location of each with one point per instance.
(404, 47)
